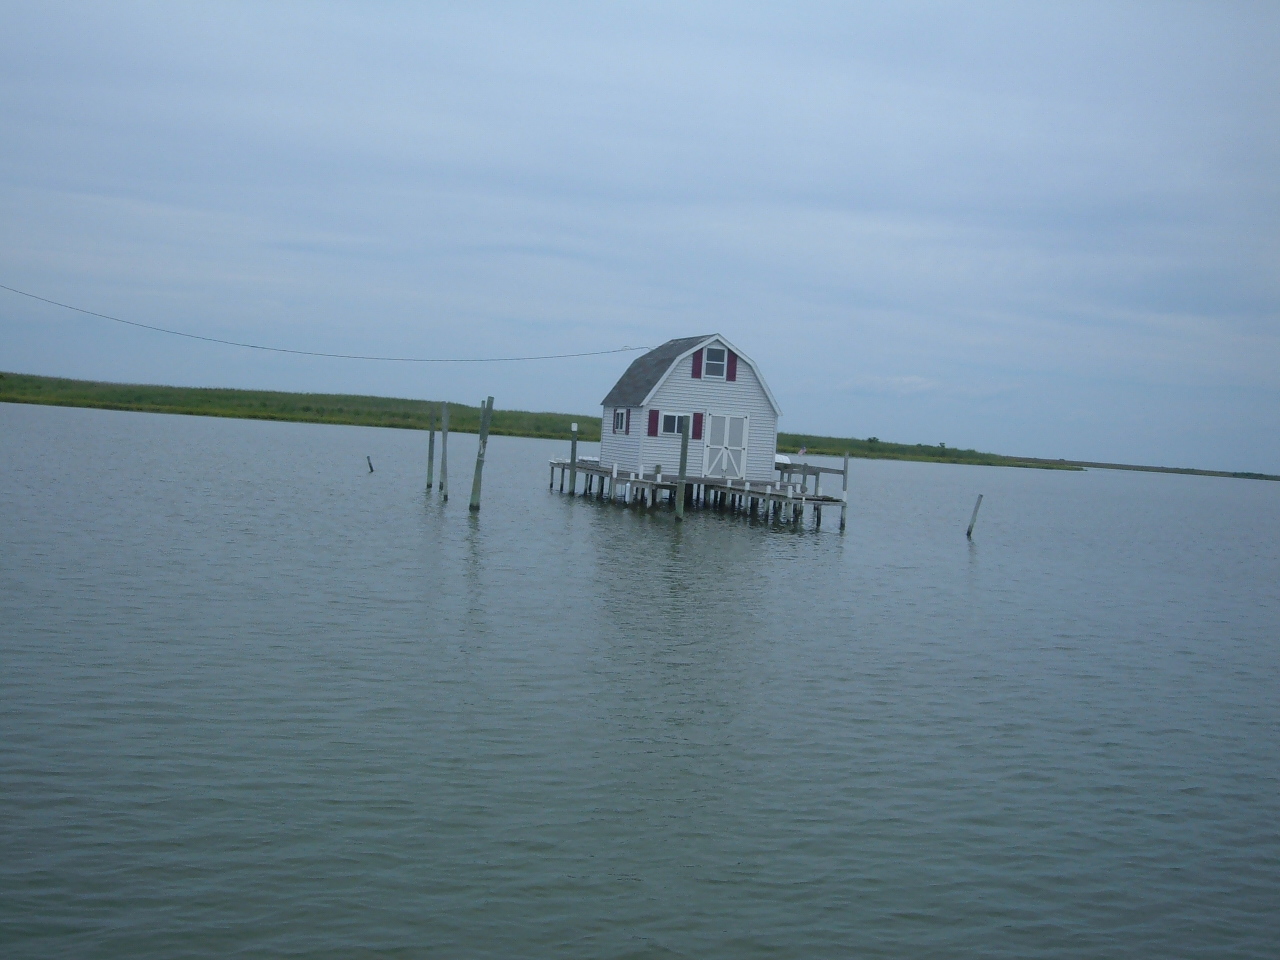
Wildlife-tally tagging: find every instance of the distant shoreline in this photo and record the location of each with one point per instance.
(404, 414)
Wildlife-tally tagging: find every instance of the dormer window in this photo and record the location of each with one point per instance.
(715, 362)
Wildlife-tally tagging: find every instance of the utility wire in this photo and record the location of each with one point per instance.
(315, 353)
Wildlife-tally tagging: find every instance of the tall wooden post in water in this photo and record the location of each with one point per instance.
(573, 460)
(844, 487)
(431, 454)
(444, 450)
(486, 415)
(684, 468)
(973, 519)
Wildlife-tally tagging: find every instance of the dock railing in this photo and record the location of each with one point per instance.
(782, 500)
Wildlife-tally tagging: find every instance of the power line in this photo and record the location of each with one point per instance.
(315, 353)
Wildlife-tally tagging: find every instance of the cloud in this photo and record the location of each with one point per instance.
(933, 205)
(892, 386)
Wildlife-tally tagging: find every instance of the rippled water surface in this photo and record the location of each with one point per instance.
(256, 700)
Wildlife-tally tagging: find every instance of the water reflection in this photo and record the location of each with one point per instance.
(565, 728)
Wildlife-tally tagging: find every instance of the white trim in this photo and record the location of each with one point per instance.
(724, 363)
(662, 423)
(742, 357)
(708, 450)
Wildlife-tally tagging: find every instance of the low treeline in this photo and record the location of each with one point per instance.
(275, 405)
(422, 414)
(407, 414)
(874, 448)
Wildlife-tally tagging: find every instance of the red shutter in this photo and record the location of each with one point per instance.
(615, 419)
(697, 364)
(628, 430)
(653, 423)
(732, 372)
(697, 426)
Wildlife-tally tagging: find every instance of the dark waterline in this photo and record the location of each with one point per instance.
(257, 700)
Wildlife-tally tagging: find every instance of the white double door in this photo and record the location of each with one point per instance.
(726, 454)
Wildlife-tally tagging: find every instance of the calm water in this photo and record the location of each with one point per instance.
(255, 700)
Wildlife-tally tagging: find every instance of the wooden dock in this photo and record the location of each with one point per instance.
(784, 501)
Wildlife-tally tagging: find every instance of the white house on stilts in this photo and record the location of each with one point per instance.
(733, 415)
(732, 418)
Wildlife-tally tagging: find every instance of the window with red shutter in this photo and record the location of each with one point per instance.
(653, 423)
(716, 361)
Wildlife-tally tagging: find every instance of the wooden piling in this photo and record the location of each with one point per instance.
(684, 467)
(444, 451)
(431, 454)
(973, 519)
(844, 489)
(486, 415)
(573, 460)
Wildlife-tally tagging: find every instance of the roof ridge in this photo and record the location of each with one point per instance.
(647, 369)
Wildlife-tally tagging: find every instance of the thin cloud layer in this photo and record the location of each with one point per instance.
(1040, 230)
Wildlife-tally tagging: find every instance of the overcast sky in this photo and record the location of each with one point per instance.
(1049, 230)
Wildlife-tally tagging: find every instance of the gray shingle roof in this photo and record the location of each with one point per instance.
(646, 370)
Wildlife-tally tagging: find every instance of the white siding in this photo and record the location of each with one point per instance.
(621, 448)
(681, 394)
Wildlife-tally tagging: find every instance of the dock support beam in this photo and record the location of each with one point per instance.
(573, 460)
(844, 489)
(444, 451)
(486, 415)
(684, 467)
(431, 455)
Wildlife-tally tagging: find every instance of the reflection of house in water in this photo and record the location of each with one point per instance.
(706, 387)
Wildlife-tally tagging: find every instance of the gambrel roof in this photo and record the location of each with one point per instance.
(648, 371)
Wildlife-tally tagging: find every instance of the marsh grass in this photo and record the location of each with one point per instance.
(273, 405)
(405, 414)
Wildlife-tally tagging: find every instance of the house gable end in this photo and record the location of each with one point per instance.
(699, 344)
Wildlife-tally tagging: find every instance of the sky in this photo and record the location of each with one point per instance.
(1039, 229)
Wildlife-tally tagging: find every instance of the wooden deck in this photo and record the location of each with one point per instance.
(784, 501)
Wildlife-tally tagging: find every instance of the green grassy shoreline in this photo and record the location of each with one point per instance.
(365, 411)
